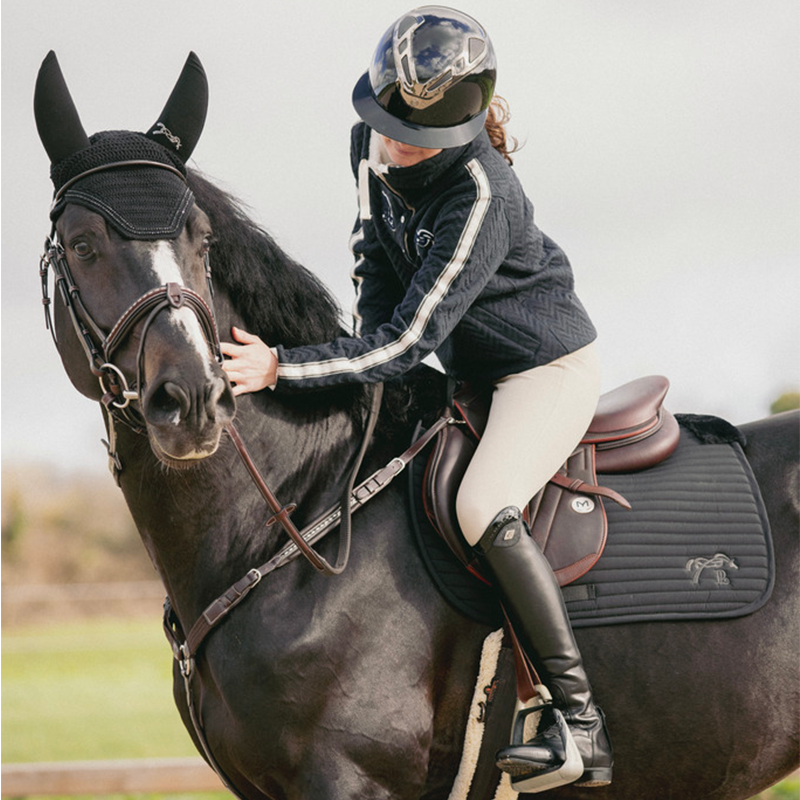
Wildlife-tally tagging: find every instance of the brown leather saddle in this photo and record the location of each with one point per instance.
(631, 431)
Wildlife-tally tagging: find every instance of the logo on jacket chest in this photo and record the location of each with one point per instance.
(422, 240)
(397, 217)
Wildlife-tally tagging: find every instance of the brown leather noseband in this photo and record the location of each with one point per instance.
(100, 348)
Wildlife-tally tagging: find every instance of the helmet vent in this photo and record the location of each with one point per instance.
(476, 48)
(405, 24)
(406, 70)
(440, 81)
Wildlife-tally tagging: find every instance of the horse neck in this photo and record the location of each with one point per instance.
(205, 527)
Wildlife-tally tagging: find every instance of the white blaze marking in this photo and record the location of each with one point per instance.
(181, 319)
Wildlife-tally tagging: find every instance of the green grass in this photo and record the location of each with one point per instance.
(89, 690)
(103, 690)
(788, 789)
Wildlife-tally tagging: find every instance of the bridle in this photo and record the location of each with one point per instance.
(117, 393)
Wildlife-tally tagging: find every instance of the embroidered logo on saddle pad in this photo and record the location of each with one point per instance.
(718, 563)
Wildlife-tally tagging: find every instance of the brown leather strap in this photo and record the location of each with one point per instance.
(219, 608)
(316, 530)
(281, 513)
(580, 486)
(365, 491)
(380, 479)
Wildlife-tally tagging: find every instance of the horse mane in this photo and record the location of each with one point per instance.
(284, 303)
(277, 298)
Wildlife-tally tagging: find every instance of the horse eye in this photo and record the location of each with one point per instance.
(83, 250)
(207, 242)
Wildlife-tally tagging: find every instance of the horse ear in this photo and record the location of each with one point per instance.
(57, 120)
(181, 122)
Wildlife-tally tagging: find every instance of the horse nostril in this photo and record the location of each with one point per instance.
(219, 401)
(168, 403)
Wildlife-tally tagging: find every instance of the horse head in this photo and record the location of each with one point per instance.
(133, 319)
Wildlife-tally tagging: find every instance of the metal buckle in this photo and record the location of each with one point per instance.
(186, 662)
(400, 462)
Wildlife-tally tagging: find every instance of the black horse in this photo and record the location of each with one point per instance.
(358, 686)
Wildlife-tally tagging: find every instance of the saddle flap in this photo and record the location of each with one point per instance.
(446, 465)
(569, 527)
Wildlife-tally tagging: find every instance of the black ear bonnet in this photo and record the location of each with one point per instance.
(136, 181)
(141, 202)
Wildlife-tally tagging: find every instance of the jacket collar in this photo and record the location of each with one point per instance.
(422, 175)
(411, 182)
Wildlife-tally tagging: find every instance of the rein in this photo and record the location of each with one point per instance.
(186, 649)
(282, 514)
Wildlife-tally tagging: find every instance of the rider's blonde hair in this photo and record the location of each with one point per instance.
(496, 120)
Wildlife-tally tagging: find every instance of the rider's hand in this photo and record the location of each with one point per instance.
(252, 365)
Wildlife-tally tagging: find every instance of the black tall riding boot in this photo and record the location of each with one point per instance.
(533, 600)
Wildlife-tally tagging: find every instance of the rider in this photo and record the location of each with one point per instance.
(448, 259)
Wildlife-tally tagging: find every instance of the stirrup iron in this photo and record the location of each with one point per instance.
(527, 777)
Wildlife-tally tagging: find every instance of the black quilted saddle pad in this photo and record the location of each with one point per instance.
(696, 545)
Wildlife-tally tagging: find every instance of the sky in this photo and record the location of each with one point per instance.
(661, 150)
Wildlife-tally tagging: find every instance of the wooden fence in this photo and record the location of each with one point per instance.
(163, 775)
(160, 775)
(120, 776)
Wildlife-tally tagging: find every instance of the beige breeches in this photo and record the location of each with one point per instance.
(536, 420)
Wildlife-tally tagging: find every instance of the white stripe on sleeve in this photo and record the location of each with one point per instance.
(412, 335)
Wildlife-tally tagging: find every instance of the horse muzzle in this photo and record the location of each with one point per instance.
(185, 419)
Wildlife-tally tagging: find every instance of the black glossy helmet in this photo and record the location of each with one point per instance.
(431, 79)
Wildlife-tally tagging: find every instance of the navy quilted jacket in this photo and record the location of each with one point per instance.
(448, 260)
